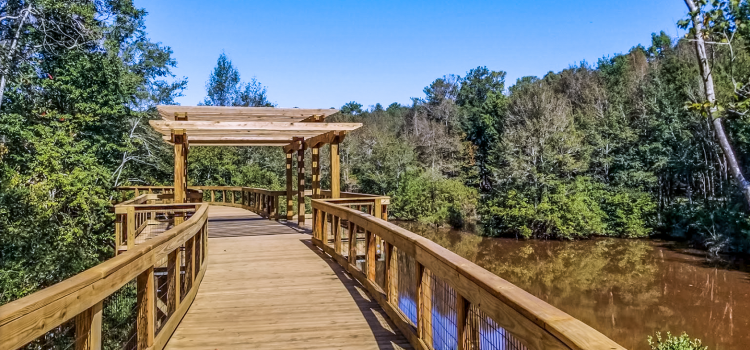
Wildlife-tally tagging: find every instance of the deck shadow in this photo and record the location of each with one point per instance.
(366, 307)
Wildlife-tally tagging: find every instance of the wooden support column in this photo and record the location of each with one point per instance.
(89, 328)
(179, 137)
(315, 173)
(289, 190)
(146, 295)
(335, 171)
(301, 184)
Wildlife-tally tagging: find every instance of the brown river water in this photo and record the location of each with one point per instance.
(626, 289)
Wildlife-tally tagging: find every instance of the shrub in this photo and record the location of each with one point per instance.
(433, 199)
(683, 342)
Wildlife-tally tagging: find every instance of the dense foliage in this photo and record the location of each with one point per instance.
(69, 125)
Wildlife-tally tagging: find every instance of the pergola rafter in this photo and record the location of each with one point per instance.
(294, 129)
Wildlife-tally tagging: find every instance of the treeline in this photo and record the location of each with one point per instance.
(612, 149)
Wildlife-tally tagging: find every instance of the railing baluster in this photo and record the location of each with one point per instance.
(89, 328)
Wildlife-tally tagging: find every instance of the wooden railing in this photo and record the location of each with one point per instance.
(435, 297)
(134, 300)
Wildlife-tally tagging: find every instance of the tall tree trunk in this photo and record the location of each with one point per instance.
(6, 65)
(713, 113)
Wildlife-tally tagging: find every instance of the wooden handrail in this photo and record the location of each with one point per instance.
(533, 322)
(31, 317)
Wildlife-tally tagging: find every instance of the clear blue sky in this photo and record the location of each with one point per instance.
(320, 54)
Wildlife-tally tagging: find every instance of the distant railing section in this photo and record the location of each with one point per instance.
(260, 201)
(132, 301)
(148, 215)
(438, 299)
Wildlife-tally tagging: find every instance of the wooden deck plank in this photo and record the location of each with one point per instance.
(267, 288)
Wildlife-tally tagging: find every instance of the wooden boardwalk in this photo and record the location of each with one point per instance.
(268, 287)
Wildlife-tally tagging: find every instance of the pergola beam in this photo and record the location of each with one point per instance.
(221, 113)
(329, 137)
(204, 126)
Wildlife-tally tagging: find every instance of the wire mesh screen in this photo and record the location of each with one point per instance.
(119, 318)
(60, 337)
(482, 333)
(440, 303)
(406, 285)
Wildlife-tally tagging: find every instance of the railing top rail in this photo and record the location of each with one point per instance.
(137, 200)
(553, 326)
(30, 317)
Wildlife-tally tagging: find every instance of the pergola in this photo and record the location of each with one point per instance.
(294, 129)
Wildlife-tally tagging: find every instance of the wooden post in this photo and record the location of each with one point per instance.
(336, 231)
(276, 214)
(189, 263)
(120, 221)
(315, 173)
(301, 184)
(423, 316)
(213, 196)
(232, 196)
(335, 171)
(387, 283)
(352, 243)
(462, 309)
(371, 250)
(89, 328)
(146, 321)
(377, 208)
(131, 226)
(289, 192)
(317, 223)
(173, 281)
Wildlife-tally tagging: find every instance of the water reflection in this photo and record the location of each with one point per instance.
(626, 289)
